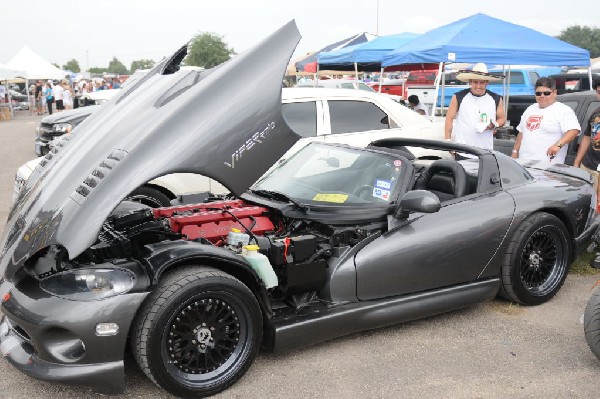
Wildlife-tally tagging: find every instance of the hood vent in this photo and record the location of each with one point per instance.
(95, 178)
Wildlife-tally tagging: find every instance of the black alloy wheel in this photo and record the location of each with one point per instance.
(198, 332)
(591, 323)
(537, 260)
(203, 336)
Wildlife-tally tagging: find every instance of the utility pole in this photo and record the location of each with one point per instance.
(377, 27)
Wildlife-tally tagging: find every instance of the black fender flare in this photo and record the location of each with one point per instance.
(166, 255)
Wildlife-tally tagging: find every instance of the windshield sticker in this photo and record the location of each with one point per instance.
(337, 198)
(381, 193)
(397, 162)
(383, 184)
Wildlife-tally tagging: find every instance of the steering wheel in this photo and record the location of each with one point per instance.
(360, 189)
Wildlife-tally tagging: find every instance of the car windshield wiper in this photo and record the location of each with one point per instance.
(278, 195)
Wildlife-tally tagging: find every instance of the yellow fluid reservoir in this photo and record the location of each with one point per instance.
(261, 265)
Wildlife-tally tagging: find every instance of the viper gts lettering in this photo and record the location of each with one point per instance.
(251, 142)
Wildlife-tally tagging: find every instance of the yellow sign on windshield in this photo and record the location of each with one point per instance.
(337, 198)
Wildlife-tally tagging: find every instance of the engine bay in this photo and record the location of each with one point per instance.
(297, 250)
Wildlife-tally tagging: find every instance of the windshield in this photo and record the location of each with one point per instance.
(323, 174)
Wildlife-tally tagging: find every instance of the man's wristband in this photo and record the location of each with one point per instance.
(515, 151)
(559, 145)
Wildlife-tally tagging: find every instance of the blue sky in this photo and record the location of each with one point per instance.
(95, 31)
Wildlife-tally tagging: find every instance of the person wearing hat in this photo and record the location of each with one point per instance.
(475, 113)
(546, 127)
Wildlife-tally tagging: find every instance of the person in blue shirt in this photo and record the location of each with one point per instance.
(49, 97)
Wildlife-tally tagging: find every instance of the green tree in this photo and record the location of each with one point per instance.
(116, 66)
(72, 65)
(141, 64)
(208, 50)
(586, 37)
(97, 70)
(56, 65)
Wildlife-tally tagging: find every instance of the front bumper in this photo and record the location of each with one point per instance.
(54, 339)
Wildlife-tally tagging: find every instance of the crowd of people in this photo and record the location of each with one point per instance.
(52, 97)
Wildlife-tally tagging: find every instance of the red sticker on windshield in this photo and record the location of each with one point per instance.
(397, 162)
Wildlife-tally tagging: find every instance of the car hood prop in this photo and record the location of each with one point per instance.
(225, 123)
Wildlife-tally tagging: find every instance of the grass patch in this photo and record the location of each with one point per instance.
(582, 267)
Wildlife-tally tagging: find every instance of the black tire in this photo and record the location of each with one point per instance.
(536, 261)
(591, 323)
(198, 332)
(149, 196)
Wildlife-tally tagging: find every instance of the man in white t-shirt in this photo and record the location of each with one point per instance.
(475, 113)
(57, 92)
(547, 127)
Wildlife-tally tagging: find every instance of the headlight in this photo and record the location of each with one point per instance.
(100, 101)
(62, 128)
(89, 284)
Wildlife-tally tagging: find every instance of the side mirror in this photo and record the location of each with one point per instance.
(417, 201)
(385, 121)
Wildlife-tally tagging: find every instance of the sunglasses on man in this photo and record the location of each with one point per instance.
(545, 93)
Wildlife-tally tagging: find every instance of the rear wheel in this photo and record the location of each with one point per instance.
(591, 323)
(149, 196)
(537, 260)
(198, 332)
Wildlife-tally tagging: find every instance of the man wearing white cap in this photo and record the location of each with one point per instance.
(475, 113)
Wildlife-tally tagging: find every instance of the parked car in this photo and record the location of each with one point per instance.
(96, 97)
(391, 87)
(572, 82)
(332, 115)
(58, 124)
(337, 84)
(343, 238)
(344, 84)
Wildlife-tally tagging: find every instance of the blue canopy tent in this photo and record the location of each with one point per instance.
(309, 64)
(481, 38)
(366, 56)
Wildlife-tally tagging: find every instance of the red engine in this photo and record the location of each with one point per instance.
(214, 220)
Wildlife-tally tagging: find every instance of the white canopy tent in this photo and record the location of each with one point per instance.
(34, 66)
(5, 75)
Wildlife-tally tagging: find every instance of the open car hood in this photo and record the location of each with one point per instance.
(225, 123)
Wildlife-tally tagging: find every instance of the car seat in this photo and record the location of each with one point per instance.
(446, 178)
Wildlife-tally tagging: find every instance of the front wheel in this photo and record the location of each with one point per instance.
(591, 323)
(537, 260)
(198, 332)
(149, 196)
